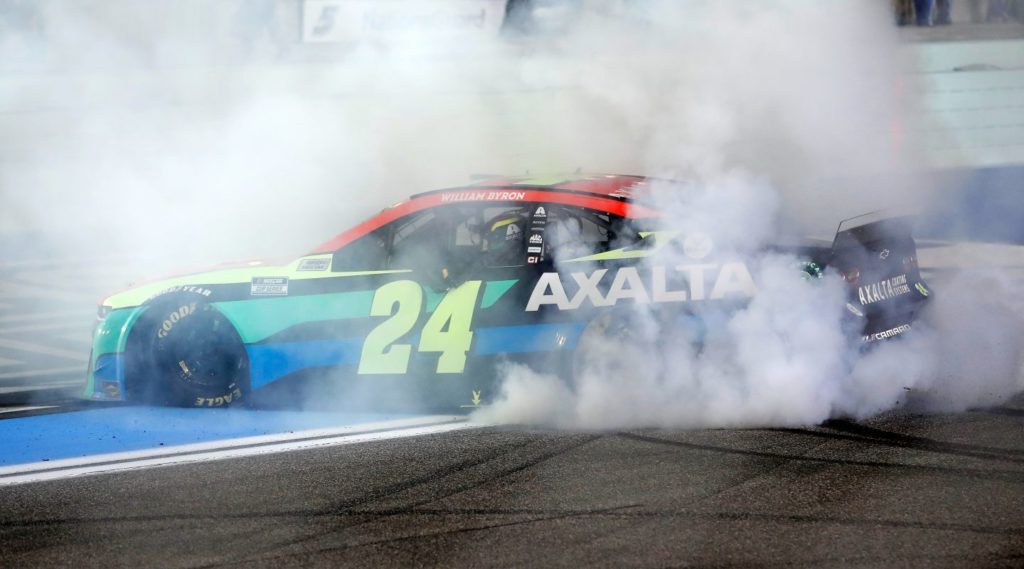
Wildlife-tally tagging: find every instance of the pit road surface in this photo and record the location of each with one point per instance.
(896, 491)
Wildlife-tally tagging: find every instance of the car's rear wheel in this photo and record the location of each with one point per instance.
(191, 356)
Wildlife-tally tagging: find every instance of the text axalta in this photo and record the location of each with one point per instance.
(883, 290)
(731, 280)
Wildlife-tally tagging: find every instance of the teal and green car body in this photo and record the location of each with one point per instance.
(431, 294)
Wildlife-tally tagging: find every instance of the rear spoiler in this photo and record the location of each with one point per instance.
(872, 227)
(876, 255)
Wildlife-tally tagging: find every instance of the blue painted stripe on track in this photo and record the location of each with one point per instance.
(103, 431)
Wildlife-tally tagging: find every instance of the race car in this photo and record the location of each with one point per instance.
(427, 297)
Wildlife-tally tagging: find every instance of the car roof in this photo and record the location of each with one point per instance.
(613, 194)
(617, 186)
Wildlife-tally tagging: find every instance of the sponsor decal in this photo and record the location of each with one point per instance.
(513, 232)
(187, 288)
(532, 260)
(891, 333)
(534, 249)
(540, 212)
(697, 245)
(482, 196)
(536, 239)
(883, 290)
(884, 254)
(109, 389)
(730, 280)
(173, 318)
(314, 265)
(269, 286)
(474, 399)
(921, 289)
(854, 310)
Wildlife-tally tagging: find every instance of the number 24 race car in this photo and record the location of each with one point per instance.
(425, 298)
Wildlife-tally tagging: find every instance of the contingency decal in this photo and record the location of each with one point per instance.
(321, 264)
(269, 286)
(731, 280)
(446, 332)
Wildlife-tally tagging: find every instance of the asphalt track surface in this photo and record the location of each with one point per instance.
(896, 491)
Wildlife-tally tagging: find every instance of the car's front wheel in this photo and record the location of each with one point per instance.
(191, 355)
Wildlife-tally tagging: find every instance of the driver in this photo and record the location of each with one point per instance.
(503, 239)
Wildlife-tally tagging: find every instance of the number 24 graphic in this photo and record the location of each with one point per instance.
(402, 301)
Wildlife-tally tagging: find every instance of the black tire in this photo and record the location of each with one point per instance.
(187, 355)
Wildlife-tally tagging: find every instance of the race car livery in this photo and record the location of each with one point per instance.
(428, 296)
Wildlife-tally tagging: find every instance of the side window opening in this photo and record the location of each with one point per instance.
(460, 237)
(573, 232)
(419, 241)
(576, 232)
(368, 253)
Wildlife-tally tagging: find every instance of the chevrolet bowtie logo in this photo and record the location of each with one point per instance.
(884, 254)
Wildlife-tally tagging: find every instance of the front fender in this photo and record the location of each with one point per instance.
(105, 380)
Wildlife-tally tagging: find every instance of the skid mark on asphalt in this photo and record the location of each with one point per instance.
(624, 512)
(973, 473)
(850, 431)
(438, 476)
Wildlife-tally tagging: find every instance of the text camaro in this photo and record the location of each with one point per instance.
(423, 300)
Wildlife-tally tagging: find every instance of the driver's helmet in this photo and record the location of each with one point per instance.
(503, 238)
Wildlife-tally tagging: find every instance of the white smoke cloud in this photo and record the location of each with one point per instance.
(159, 133)
(153, 130)
(779, 105)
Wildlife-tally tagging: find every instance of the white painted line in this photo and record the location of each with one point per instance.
(62, 314)
(73, 355)
(38, 386)
(227, 449)
(97, 263)
(17, 290)
(24, 408)
(238, 442)
(76, 324)
(79, 338)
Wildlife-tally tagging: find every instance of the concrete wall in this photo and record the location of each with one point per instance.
(973, 102)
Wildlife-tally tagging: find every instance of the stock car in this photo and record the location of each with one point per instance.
(426, 297)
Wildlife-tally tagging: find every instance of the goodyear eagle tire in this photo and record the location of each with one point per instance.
(194, 357)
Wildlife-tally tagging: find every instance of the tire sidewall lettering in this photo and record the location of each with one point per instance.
(175, 317)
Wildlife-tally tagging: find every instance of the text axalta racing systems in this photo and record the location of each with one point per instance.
(731, 280)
